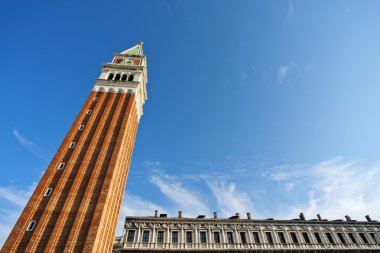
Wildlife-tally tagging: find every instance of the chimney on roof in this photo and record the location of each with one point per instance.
(248, 215)
(179, 214)
(348, 218)
(155, 213)
(302, 217)
(368, 218)
(215, 215)
(237, 215)
(319, 217)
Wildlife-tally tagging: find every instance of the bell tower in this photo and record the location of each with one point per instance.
(75, 206)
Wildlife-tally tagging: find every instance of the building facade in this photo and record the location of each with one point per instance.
(75, 206)
(201, 234)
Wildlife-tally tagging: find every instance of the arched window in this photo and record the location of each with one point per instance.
(117, 77)
(48, 192)
(124, 77)
(31, 225)
(110, 76)
(130, 78)
(61, 166)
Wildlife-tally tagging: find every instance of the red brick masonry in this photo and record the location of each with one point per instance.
(81, 213)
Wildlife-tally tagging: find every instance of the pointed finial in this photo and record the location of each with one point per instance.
(141, 42)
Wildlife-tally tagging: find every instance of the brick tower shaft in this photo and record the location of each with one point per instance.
(75, 206)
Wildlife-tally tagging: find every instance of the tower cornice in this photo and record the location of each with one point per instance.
(118, 66)
(129, 55)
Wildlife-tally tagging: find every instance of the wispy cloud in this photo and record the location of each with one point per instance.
(31, 146)
(12, 201)
(334, 188)
(282, 73)
(23, 141)
(153, 164)
(7, 220)
(229, 199)
(135, 206)
(186, 200)
(13, 196)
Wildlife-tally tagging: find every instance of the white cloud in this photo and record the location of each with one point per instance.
(24, 142)
(186, 200)
(333, 188)
(8, 219)
(135, 206)
(31, 146)
(229, 199)
(282, 73)
(15, 197)
(153, 164)
(12, 201)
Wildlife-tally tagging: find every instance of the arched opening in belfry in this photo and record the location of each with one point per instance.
(110, 76)
(130, 78)
(124, 77)
(117, 77)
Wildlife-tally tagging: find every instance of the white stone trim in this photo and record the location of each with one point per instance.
(136, 87)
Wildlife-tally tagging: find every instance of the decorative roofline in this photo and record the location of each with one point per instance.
(226, 220)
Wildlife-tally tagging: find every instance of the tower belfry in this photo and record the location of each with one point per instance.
(75, 206)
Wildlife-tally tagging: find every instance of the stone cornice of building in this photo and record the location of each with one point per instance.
(123, 66)
(131, 56)
(132, 87)
(152, 219)
(117, 84)
(292, 250)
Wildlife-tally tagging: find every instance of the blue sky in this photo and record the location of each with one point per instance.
(263, 106)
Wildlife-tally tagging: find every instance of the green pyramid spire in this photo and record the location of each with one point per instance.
(136, 50)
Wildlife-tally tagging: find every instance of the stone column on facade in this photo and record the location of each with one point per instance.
(182, 240)
(153, 238)
(312, 238)
(223, 237)
(167, 237)
(275, 238)
(261, 237)
(195, 243)
(357, 237)
(346, 237)
(123, 239)
(300, 243)
(321, 234)
(210, 245)
(249, 236)
(138, 236)
(238, 239)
